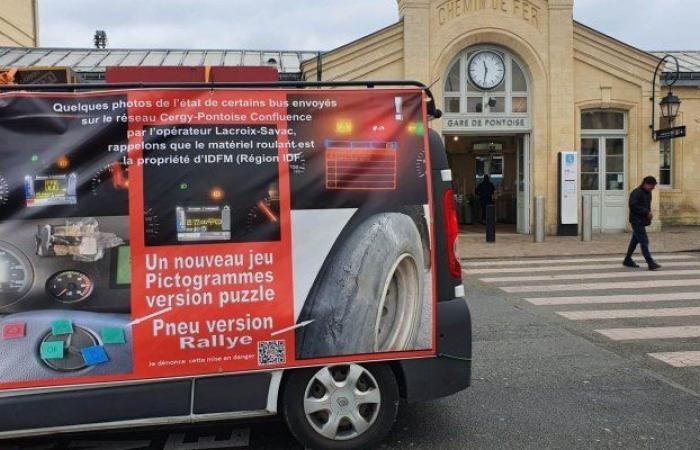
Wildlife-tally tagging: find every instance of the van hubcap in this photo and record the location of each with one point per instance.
(342, 402)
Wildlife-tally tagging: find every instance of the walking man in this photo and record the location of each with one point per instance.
(640, 218)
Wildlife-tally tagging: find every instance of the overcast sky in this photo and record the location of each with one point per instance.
(318, 24)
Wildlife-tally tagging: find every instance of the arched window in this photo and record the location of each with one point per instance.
(463, 96)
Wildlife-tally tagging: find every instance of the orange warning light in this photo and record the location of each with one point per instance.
(216, 194)
(62, 162)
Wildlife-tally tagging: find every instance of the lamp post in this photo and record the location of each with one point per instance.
(670, 104)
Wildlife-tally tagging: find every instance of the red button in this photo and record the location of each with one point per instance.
(13, 331)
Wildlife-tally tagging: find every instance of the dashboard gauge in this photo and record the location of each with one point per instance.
(116, 175)
(420, 164)
(69, 286)
(151, 223)
(72, 360)
(4, 191)
(265, 211)
(16, 275)
(253, 217)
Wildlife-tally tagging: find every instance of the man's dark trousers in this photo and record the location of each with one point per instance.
(639, 236)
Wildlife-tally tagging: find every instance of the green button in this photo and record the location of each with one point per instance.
(52, 350)
(113, 336)
(61, 327)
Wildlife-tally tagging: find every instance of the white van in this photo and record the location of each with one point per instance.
(190, 253)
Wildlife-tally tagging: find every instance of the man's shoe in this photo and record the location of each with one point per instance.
(630, 263)
(654, 266)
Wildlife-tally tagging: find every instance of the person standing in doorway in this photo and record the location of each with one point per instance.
(485, 191)
(640, 218)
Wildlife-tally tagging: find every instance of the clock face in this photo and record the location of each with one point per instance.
(486, 70)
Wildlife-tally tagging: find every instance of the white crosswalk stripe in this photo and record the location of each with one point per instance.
(603, 286)
(593, 276)
(630, 313)
(679, 359)
(611, 299)
(570, 267)
(631, 334)
(529, 262)
(604, 282)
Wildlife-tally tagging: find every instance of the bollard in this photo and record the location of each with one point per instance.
(587, 219)
(491, 223)
(539, 219)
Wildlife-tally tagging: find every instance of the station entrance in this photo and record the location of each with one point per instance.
(506, 162)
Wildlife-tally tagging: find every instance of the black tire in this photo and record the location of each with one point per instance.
(348, 297)
(293, 397)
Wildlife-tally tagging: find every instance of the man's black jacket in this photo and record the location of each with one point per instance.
(640, 206)
(485, 191)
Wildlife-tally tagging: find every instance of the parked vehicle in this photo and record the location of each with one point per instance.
(177, 253)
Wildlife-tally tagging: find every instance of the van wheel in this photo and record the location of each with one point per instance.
(369, 297)
(341, 407)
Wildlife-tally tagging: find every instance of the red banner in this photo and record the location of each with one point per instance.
(165, 233)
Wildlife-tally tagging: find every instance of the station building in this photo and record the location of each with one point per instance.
(18, 23)
(519, 81)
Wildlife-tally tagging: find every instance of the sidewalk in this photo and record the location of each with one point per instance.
(472, 243)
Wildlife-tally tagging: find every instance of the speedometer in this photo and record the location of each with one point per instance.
(16, 275)
(115, 174)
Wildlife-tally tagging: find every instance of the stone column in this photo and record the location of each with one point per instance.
(562, 120)
(416, 34)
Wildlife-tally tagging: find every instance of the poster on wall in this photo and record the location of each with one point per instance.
(150, 234)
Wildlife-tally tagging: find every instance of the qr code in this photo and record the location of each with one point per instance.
(272, 353)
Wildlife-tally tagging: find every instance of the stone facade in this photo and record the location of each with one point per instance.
(18, 23)
(571, 68)
(680, 203)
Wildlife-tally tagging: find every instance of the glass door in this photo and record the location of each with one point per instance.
(523, 185)
(590, 174)
(614, 214)
(603, 177)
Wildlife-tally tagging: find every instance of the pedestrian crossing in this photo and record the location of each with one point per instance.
(652, 310)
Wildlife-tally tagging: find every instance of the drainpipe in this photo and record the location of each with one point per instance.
(319, 67)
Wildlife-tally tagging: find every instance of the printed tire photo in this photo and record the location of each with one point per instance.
(342, 407)
(369, 297)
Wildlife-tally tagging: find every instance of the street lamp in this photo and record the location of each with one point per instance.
(670, 104)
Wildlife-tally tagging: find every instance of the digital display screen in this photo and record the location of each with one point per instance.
(123, 266)
(203, 223)
(361, 165)
(50, 190)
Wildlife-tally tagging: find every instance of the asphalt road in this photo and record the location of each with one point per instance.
(540, 380)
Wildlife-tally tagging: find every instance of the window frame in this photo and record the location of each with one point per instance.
(602, 135)
(463, 60)
(605, 131)
(671, 156)
(499, 176)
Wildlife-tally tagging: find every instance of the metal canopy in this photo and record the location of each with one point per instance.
(689, 64)
(688, 60)
(92, 60)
